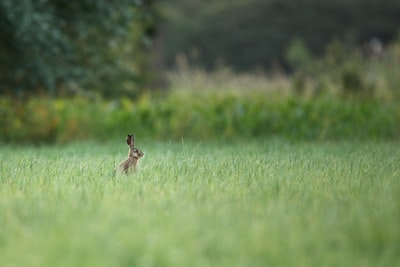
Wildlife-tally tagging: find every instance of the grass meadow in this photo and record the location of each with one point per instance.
(219, 203)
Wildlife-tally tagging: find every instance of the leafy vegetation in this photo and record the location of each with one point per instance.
(241, 203)
(59, 47)
(345, 93)
(342, 95)
(192, 115)
(248, 34)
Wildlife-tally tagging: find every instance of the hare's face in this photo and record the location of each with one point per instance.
(136, 153)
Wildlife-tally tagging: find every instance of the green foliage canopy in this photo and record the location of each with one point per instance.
(248, 33)
(52, 45)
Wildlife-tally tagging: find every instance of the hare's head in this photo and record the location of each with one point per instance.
(133, 151)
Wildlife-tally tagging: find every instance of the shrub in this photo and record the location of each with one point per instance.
(197, 115)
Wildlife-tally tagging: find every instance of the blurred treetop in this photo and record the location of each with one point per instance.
(62, 45)
(102, 46)
(244, 34)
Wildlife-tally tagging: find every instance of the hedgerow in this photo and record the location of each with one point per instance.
(194, 115)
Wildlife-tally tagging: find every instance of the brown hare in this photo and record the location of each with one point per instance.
(134, 155)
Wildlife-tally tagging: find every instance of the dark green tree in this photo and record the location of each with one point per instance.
(59, 46)
(248, 33)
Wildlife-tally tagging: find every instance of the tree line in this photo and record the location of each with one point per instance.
(245, 34)
(118, 47)
(62, 46)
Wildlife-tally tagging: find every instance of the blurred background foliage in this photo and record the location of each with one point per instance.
(199, 69)
(61, 46)
(198, 116)
(256, 33)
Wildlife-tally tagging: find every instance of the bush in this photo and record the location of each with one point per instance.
(194, 115)
(61, 47)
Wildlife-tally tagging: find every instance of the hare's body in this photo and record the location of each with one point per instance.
(134, 155)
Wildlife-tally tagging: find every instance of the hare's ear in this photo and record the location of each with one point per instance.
(130, 140)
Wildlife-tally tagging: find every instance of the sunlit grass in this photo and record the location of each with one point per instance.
(233, 203)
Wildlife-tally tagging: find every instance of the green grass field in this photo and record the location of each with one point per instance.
(237, 203)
